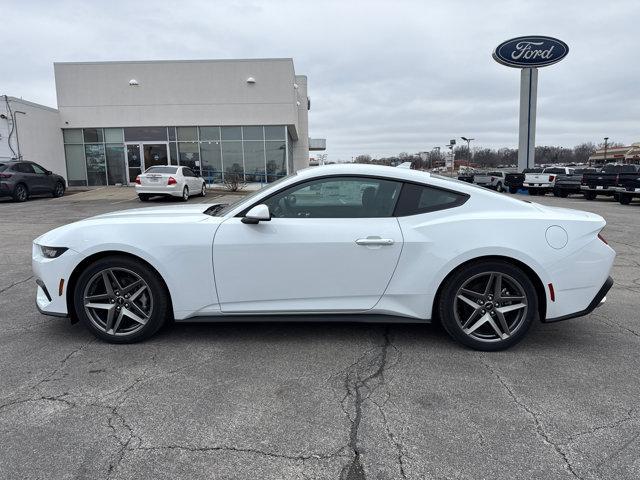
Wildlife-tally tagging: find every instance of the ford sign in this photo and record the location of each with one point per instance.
(530, 52)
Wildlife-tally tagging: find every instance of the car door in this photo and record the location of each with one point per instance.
(191, 180)
(45, 181)
(29, 177)
(331, 245)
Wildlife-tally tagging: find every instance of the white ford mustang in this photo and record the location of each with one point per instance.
(336, 242)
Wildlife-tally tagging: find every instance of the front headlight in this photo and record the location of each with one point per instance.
(52, 252)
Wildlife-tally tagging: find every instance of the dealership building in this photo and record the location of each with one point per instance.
(115, 119)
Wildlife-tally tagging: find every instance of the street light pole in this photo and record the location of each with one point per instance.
(468, 140)
(606, 144)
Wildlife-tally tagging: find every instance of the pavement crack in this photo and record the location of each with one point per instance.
(606, 320)
(361, 379)
(629, 416)
(536, 420)
(19, 282)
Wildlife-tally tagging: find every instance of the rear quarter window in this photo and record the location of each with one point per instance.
(416, 199)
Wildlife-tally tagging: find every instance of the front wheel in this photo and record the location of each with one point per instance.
(499, 187)
(58, 190)
(20, 193)
(488, 305)
(624, 199)
(185, 194)
(121, 300)
(203, 190)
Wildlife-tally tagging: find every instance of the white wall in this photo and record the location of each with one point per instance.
(39, 134)
(301, 146)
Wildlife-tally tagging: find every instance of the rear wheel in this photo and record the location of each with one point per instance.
(513, 189)
(564, 194)
(488, 305)
(203, 190)
(556, 192)
(121, 300)
(20, 193)
(58, 190)
(590, 195)
(624, 198)
(533, 192)
(143, 197)
(185, 194)
(499, 187)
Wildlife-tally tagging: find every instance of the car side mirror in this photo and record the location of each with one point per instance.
(259, 213)
(47, 172)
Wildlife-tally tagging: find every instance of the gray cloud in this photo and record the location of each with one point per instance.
(384, 77)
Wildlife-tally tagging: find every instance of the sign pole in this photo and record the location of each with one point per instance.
(527, 133)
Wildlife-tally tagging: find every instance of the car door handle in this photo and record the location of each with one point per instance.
(369, 241)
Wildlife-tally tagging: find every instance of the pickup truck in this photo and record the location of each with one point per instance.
(541, 183)
(566, 184)
(514, 181)
(494, 180)
(605, 182)
(628, 185)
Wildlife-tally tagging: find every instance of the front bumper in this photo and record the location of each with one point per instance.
(50, 274)
(598, 300)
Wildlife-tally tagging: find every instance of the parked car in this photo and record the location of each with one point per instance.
(353, 241)
(493, 180)
(543, 182)
(21, 180)
(466, 177)
(167, 180)
(568, 183)
(605, 181)
(628, 185)
(513, 181)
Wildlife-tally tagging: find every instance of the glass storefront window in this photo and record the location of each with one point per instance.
(231, 133)
(172, 133)
(115, 164)
(188, 154)
(173, 153)
(252, 133)
(254, 165)
(211, 161)
(272, 132)
(96, 165)
(276, 160)
(187, 134)
(76, 170)
(209, 133)
(232, 157)
(93, 135)
(113, 135)
(72, 135)
(143, 134)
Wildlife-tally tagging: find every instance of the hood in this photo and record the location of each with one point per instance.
(172, 211)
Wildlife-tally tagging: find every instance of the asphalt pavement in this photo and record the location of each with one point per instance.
(314, 400)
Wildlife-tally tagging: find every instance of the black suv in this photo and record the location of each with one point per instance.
(20, 180)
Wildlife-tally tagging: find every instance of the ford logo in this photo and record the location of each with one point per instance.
(530, 52)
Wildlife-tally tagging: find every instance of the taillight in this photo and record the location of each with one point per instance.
(602, 238)
(138, 179)
(171, 181)
(551, 177)
(5, 175)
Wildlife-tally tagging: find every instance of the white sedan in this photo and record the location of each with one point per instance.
(345, 242)
(167, 180)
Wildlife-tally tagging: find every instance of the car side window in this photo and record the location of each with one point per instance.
(336, 197)
(188, 173)
(25, 168)
(38, 169)
(416, 199)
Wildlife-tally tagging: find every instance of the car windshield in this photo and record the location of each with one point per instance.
(222, 209)
(161, 170)
(3, 167)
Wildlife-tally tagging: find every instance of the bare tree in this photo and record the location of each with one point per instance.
(363, 159)
(234, 178)
(582, 152)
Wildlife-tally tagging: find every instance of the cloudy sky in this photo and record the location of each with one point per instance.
(384, 77)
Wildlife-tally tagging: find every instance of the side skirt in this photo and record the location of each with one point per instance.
(333, 317)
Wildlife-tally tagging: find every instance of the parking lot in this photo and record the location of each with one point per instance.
(314, 400)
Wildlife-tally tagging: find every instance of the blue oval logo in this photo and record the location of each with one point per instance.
(530, 52)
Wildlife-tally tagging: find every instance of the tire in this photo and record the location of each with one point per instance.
(499, 187)
(144, 197)
(58, 190)
(150, 305)
(513, 189)
(557, 193)
(590, 195)
(185, 194)
(203, 190)
(20, 193)
(475, 326)
(563, 194)
(624, 199)
(533, 192)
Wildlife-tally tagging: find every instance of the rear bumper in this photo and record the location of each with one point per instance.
(173, 190)
(598, 300)
(537, 185)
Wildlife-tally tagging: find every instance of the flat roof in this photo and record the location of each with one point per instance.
(211, 60)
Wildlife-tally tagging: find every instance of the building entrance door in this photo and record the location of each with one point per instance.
(141, 156)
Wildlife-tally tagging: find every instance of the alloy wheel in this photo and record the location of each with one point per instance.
(203, 192)
(118, 301)
(21, 193)
(490, 306)
(59, 190)
(185, 194)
